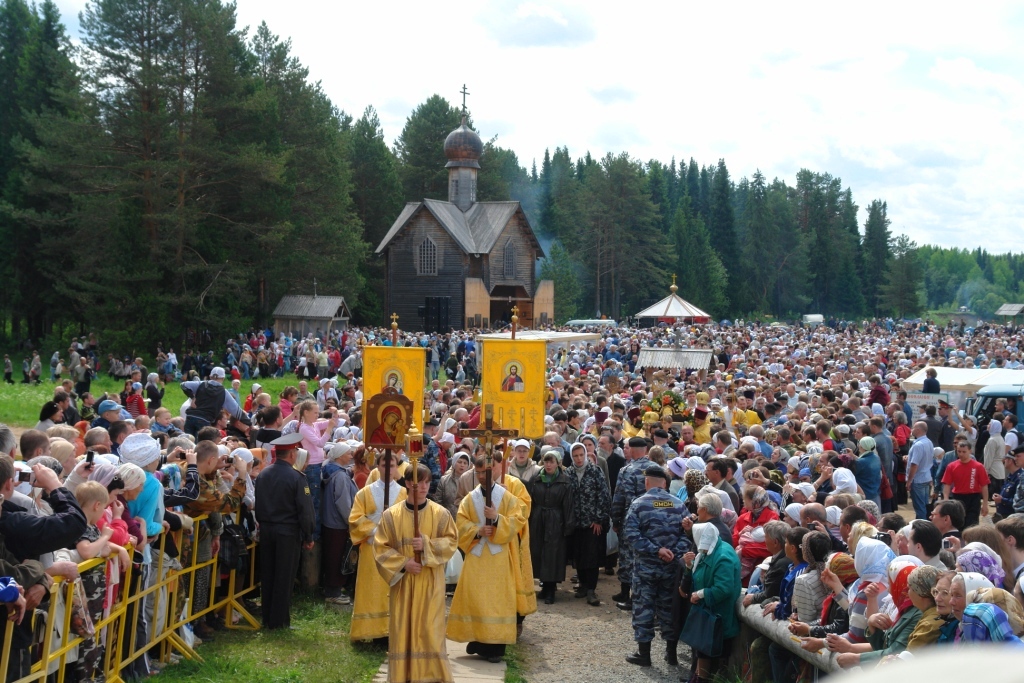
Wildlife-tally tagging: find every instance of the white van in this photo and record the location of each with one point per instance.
(814, 319)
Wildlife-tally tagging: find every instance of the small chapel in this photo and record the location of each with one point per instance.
(464, 264)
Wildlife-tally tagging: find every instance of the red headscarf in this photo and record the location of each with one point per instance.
(900, 589)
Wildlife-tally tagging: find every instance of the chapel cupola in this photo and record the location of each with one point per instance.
(463, 149)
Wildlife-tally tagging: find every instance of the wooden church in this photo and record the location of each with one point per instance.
(462, 263)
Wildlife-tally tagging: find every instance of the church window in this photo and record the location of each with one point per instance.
(472, 190)
(510, 261)
(455, 187)
(426, 264)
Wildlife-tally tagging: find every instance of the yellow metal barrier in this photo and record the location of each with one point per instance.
(111, 629)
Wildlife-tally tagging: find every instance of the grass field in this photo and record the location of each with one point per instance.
(316, 651)
(20, 403)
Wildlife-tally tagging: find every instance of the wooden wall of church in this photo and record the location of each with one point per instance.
(515, 231)
(407, 290)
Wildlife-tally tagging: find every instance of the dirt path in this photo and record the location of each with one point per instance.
(572, 642)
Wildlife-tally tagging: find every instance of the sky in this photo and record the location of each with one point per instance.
(918, 104)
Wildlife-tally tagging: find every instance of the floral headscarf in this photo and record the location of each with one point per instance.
(972, 560)
(758, 499)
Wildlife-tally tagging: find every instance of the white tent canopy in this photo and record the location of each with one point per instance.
(549, 337)
(965, 380)
(672, 306)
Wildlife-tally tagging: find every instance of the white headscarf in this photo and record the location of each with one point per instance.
(844, 481)
(872, 560)
(706, 537)
(995, 428)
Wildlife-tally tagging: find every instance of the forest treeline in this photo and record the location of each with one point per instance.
(175, 170)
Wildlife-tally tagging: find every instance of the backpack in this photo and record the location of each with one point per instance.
(234, 555)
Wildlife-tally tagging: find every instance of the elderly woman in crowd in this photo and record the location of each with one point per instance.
(960, 587)
(887, 636)
(747, 535)
(978, 557)
(551, 523)
(591, 509)
(715, 570)
(447, 492)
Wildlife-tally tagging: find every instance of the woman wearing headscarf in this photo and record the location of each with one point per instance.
(885, 635)
(921, 584)
(693, 481)
(715, 570)
(844, 481)
(985, 623)
(1005, 601)
(995, 450)
(447, 492)
(747, 535)
(591, 506)
(983, 560)
(551, 523)
(808, 590)
(862, 598)
(960, 587)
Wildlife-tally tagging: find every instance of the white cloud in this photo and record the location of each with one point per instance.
(921, 108)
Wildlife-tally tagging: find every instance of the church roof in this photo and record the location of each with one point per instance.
(307, 307)
(476, 231)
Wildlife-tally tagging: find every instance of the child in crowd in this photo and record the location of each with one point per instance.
(93, 499)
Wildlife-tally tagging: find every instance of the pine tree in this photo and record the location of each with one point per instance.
(877, 253)
(561, 269)
(702, 279)
(721, 222)
(377, 199)
(901, 292)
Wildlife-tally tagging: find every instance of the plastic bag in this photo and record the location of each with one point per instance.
(81, 620)
(453, 569)
(612, 546)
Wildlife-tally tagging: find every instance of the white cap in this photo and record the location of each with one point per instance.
(524, 443)
(217, 373)
(447, 437)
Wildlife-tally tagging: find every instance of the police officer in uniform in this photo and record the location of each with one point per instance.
(284, 510)
(628, 488)
(208, 398)
(653, 529)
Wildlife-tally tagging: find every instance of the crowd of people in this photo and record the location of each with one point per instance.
(782, 476)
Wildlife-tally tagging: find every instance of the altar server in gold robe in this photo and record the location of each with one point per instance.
(483, 612)
(370, 608)
(416, 650)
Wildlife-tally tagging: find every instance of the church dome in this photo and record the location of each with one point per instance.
(463, 147)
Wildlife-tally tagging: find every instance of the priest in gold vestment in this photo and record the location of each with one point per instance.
(370, 607)
(483, 612)
(416, 650)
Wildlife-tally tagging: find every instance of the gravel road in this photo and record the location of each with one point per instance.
(572, 642)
